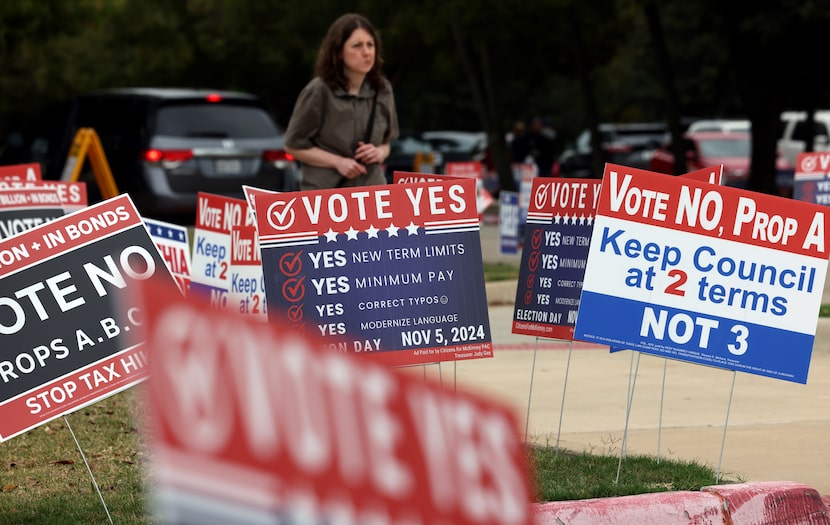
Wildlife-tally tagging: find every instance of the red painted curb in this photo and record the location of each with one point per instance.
(758, 503)
(665, 508)
(772, 502)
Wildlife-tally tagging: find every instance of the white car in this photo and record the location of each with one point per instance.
(794, 134)
(722, 125)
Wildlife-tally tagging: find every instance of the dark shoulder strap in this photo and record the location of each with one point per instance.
(370, 126)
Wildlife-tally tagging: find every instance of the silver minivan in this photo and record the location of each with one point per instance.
(164, 145)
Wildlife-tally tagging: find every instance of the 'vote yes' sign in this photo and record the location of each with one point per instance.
(393, 272)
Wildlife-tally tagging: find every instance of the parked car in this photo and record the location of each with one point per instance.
(625, 144)
(710, 148)
(722, 125)
(164, 145)
(457, 146)
(410, 152)
(794, 131)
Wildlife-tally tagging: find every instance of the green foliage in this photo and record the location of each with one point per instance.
(454, 64)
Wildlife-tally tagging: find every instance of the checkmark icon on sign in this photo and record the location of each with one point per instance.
(293, 289)
(536, 240)
(295, 313)
(291, 263)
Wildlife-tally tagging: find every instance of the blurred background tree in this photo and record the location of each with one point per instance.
(455, 64)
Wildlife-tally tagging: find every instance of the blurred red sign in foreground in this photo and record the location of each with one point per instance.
(254, 423)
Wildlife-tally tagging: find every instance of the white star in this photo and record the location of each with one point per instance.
(351, 234)
(412, 228)
(590, 219)
(556, 218)
(331, 235)
(372, 231)
(36, 246)
(392, 230)
(582, 219)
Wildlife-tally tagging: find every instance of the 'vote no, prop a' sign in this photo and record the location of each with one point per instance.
(395, 268)
(713, 275)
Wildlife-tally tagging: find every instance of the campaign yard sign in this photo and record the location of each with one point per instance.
(73, 195)
(508, 222)
(473, 170)
(25, 208)
(396, 269)
(254, 423)
(64, 343)
(560, 221)
(174, 247)
(19, 173)
(247, 282)
(811, 182)
(713, 275)
(216, 215)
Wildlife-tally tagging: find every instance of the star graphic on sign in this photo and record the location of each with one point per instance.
(181, 236)
(331, 235)
(372, 231)
(36, 246)
(590, 220)
(582, 220)
(351, 234)
(556, 218)
(392, 230)
(412, 228)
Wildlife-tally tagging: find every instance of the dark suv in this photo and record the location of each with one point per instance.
(164, 145)
(629, 145)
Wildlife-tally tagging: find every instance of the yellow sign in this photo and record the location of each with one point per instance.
(86, 142)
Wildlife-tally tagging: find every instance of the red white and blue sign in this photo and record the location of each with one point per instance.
(395, 269)
(811, 182)
(216, 216)
(713, 275)
(560, 220)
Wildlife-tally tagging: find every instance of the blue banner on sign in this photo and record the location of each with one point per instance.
(690, 336)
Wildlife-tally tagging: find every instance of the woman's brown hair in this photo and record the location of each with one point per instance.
(330, 56)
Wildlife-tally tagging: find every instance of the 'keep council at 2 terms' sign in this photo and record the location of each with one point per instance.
(708, 274)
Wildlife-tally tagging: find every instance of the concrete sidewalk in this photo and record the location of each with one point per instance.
(777, 430)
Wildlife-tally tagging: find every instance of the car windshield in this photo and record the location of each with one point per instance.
(215, 120)
(736, 147)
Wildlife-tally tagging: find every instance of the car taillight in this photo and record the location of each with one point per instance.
(618, 148)
(214, 97)
(167, 155)
(276, 155)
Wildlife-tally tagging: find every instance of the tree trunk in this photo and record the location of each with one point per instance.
(483, 99)
(664, 65)
(583, 63)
